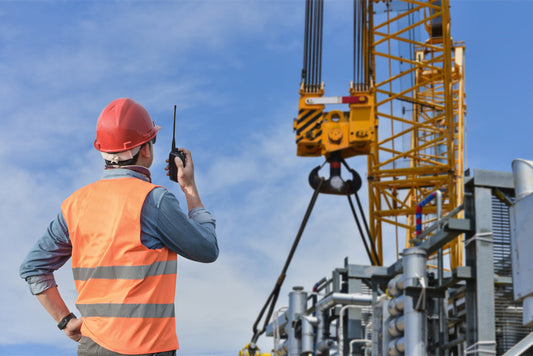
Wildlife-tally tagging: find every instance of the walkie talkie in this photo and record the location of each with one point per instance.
(174, 152)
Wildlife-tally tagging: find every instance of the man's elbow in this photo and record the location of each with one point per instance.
(212, 256)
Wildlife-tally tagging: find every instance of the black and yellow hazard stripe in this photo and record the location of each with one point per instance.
(308, 124)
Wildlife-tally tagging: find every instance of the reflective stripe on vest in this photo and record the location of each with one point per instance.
(127, 310)
(125, 272)
(125, 290)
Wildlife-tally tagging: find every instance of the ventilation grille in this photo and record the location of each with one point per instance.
(509, 329)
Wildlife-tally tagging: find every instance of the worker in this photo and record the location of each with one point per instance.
(123, 234)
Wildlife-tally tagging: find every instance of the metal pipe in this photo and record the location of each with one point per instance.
(321, 328)
(414, 267)
(523, 178)
(297, 308)
(397, 347)
(395, 305)
(418, 210)
(396, 326)
(440, 270)
(344, 299)
(395, 286)
(308, 323)
(341, 326)
(330, 301)
(282, 349)
(432, 227)
(523, 288)
(365, 341)
(438, 193)
(279, 323)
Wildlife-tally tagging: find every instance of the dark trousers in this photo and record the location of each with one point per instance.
(88, 347)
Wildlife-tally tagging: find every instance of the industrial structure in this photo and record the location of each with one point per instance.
(461, 283)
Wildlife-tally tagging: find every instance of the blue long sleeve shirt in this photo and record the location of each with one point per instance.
(163, 223)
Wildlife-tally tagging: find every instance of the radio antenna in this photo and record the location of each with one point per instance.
(174, 152)
(174, 131)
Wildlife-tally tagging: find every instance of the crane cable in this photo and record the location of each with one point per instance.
(361, 40)
(312, 61)
(273, 297)
(373, 256)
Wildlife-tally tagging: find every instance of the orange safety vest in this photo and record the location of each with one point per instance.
(125, 290)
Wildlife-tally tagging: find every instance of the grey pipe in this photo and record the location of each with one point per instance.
(297, 308)
(395, 305)
(443, 334)
(438, 194)
(523, 178)
(321, 328)
(396, 326)
(414, 267)
(344, 299)
(282, 349)
(395, 286)
(341, 326)
(397, 347)
(308, 333)
(330, 301)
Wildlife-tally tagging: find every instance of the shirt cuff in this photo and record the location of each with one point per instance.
(39, 284)
(201, 215)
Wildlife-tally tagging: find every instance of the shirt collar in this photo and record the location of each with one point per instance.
(127, 171)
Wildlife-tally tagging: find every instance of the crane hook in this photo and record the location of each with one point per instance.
(335, 184)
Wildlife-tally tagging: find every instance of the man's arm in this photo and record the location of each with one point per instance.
(164, 223)
(187, 182)
(50, 252)
(56, 307)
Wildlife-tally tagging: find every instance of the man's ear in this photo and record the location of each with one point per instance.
(145, 150)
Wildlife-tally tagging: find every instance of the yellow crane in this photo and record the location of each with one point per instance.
(405, 111)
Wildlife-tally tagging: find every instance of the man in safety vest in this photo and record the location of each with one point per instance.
(123, 234)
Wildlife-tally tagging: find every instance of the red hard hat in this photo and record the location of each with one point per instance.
(124, 124)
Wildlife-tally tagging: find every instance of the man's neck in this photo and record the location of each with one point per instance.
(139, 169)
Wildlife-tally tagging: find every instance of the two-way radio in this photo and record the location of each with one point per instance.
(174, 152)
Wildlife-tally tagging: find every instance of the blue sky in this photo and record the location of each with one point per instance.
(233, 69)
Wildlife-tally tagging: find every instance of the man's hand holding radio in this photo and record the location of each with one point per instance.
(185, 178)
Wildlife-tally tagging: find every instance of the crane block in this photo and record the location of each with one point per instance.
(350, 133)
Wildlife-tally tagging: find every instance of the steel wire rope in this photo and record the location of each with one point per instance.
(306, 44)
(314, 49)
(357, 34)
(355, 48)
(319, 54)
(365, 243)
(273, 297)
(312, 61)
(361, 40)
(365, 223)
(310, 47)
(366, 45)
